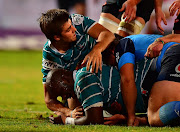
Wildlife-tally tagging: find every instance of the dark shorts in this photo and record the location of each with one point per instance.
(144, 8)
(170, 65)
(177, 23)
(170, 70)
(66, 4)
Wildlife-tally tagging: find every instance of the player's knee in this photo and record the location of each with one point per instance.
(131, 28)
(109, 24)
(153, 119)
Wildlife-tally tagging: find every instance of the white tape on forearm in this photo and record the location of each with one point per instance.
(69, 121)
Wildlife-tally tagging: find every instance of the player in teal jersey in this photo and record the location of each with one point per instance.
(71, 40)
(96, 92)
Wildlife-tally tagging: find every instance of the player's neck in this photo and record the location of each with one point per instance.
(62, 47)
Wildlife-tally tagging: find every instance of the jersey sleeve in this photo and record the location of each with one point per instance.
(83, 24)
(88, 89)
(49, 61)
(125, 52)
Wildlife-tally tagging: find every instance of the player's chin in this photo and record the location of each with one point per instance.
(74, 38)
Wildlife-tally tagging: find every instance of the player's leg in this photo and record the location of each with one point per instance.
(144, 10)
(109, 16)
(112, 19)
(164, 103)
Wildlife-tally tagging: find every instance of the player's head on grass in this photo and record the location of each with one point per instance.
(60, 83)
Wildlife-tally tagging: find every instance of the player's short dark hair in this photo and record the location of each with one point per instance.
(55, 81)
(52, 21)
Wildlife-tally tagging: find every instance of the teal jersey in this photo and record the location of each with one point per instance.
(53, 59)
(98, 90)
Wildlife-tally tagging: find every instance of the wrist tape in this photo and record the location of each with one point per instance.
(69, 121)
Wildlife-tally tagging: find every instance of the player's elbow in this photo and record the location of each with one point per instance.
(127, 80)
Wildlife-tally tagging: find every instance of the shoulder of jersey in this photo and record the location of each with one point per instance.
(77, 19)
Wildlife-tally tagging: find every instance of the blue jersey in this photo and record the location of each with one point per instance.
(80, 48)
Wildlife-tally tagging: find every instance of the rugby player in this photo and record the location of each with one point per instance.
(72, 39)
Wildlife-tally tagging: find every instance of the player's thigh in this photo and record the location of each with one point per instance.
(163, 92)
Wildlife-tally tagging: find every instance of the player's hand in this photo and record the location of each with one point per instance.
(154, 49)
(115, 119)
(56, 120)
(77, 112)
(130, 11)
(132, 121)
(175, 7)
(93, 60)
(160, 16)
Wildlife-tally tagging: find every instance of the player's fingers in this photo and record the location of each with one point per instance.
(107, 118)
(171, 7)
(133, 16)
(127, 15)
(178, 12)
(96, 63)
(146, 54)
(164, 20)
(100, 64)
(151, 54)
(88, 64)
(173, 10)
(79, 109)
(108, 123)
(93, 65)
(78, 117)
(79, 113)
(161, 30)
(85, 60)
(123, 8)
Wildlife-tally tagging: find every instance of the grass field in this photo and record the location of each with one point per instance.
(22, 106)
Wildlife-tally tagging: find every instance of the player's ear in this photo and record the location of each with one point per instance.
(56, 37)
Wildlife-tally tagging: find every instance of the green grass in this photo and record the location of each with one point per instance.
(22, 106)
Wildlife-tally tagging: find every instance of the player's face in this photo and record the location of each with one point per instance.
(68, 32)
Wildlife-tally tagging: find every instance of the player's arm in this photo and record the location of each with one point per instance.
(125, 58)
(104, 38)
(155, 48)
(93, 115)
(130, 7)
(74, 110)
(54, 105)
(129, 91)
(160, 16)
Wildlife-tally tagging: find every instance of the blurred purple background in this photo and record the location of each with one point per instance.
(19, 28)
